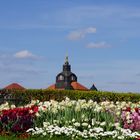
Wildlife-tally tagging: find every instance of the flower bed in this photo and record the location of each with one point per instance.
(17, 119)
(74, 119)
(131, 118)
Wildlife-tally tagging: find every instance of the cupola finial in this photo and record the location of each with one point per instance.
(66, 60)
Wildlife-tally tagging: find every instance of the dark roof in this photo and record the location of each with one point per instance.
(93, 87)
(66, 73)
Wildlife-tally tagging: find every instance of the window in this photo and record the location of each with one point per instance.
(61, 77)
(72, 78)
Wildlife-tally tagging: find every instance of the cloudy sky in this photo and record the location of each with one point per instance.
(101, 38)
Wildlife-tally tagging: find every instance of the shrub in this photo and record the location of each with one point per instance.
(24, 97)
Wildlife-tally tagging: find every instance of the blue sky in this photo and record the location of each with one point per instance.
(102, 39)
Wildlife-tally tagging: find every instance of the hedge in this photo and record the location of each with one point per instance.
(44, 95)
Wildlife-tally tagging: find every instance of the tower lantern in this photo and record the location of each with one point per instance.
(66, 77)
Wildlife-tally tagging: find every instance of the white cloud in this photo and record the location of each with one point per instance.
(79, 34)
(24, 54)
(98, 45)
(90, 30)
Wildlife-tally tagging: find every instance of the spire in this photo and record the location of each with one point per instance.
(66, 60)
(66, 66)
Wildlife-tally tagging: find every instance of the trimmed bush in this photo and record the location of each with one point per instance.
(43, 95)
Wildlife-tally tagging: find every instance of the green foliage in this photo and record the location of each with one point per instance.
(69, 115)
(53, 138)
(43, 95)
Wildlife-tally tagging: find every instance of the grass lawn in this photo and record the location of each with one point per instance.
(36, 138)
(53, 138)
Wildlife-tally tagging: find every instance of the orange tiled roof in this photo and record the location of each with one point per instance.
(14, 86)
(75, 85)
(51, 87)
(78, 86)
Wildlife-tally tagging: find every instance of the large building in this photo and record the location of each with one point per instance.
(68, 80)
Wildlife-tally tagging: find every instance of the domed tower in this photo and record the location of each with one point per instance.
(66, 77)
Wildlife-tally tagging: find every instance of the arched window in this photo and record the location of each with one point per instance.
(61, 77)
(73, 78)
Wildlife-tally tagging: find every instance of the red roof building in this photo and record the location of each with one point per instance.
(52, 86)
(67, 80)
(78, 86)
(75, 86)
(14, 86)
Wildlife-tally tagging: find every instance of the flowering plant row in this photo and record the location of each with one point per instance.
(131, 118)
(17, 119)
(75, 119)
